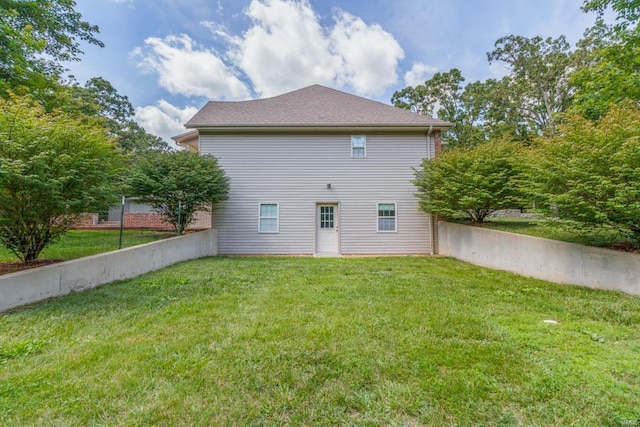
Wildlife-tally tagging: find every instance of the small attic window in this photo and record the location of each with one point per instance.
(359, 146)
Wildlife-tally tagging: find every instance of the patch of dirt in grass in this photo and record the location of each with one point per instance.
(12, 267)
(626, 247)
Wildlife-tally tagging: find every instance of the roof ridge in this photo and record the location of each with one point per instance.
(315, 106)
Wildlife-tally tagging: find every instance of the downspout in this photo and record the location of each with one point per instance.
(434, 220)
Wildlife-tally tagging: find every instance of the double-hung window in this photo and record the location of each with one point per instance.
(358, 146)
(387, 217)
(268, 222)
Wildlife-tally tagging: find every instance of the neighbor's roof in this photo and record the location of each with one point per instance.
(186, 136)
(314, 106)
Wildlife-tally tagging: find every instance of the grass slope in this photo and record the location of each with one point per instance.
(550, 230)
(303, 341)
(81, 243)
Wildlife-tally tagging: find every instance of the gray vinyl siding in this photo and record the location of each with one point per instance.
(294, 170)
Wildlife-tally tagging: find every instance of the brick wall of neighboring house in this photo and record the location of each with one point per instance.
(155, 221)
(437, 140)
(87, 220)
(142, 220)
(146, 220)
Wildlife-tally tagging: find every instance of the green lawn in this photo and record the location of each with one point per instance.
(401, 341)
(549, 230)
(81, 243)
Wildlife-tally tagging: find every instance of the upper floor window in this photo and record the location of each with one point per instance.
(358, 146)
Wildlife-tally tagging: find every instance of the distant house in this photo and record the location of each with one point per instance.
(317, 171)
(138, 216)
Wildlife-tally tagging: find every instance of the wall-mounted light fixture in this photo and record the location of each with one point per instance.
(328, 186)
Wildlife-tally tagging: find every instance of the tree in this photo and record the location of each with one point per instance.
(627, 11)
(117, 113)
(501, 116)
(613, 75)
(611, 70)
(589, 173)
(179, 184)
(53, 167)
(445, 96)
(35, 36)
(470, 181)
(539, 80)
(100, 100)
(479, 111)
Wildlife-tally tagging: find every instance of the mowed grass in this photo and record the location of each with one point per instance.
(404, 341)
(81, 243)
(549, 230)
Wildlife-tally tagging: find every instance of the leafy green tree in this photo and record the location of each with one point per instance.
(612, 76)
(35, 36)
(470, 181)
(501, 117)
(589, 173)
(179, 184)
(133, 138)
(478, 111)
(627, 11)
(52, 168)
(611, 69)
(539, 80)
(445, 97)
(100, 100)
(117, 113)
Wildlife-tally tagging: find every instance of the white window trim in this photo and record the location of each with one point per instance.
(365, 146)
(395, 204)
(277, 217)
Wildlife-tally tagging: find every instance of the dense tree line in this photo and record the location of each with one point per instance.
(53, 167)
(67, 148)
(36, 38)
(561, 131)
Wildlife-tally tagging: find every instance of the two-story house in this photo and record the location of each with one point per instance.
(317, 171)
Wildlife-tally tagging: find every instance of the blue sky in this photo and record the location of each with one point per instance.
(170, 57)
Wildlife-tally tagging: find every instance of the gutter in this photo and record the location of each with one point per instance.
(208, 129)
(433, 218)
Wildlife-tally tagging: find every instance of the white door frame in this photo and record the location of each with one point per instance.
(327, 228)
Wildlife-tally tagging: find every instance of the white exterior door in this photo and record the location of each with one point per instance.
(328, 229)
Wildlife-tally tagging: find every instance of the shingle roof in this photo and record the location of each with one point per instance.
(313, 106)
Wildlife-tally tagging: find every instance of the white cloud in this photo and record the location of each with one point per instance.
(418, 74)
(129, 2)
(285, 47)
(369, 54)
(164, 119)
(218, 30)
(186, 68)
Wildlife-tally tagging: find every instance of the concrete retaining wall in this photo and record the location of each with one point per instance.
(545, 259)
(37, 284)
